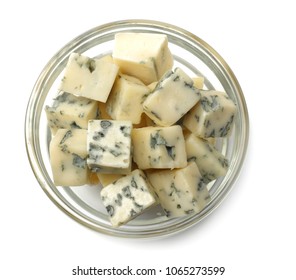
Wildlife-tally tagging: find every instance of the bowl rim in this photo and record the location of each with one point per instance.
(31, 139)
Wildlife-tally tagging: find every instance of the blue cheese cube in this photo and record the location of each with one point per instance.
(70, 111)
(68, 156)
(180, 191)
(126, 99)
(109, 146)
(142, 55)
(198, 82)
(107, 179)
(103, 111)
(212, 116)
(127, 197)
(87, 77)
(172, 98)
(211, 163)
(159, 147)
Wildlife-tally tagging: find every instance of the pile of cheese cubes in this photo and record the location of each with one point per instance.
(139, 127)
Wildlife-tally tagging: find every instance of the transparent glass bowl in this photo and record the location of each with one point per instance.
(83, 204)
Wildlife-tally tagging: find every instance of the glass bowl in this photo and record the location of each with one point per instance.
(83, 204)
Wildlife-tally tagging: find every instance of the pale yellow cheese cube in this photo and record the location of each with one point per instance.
(107, 57)
(107, 179)
(87, 77)
(180, 191)
(212, 116)
(126, 99)
(68, 154)
(70, 111)
(211, 163)
(159, 147)
(142, 55)
(172, 98)
(152, 86)
(198, 82)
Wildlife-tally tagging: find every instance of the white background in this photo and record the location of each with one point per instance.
(252, 233)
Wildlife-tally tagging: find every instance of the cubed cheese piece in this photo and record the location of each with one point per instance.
(198, 82)
(159, 147)
(127, 197)
(152, 86)
(70, 111)
(68, 155)
(87, 77)
(107, 179)
(126, 99)
(172, 98)
(211, 163)
(142, 55)
(93, 178)
(180, 191)
(212, 116)
(107, 57)
(103, 111)
(109, 146)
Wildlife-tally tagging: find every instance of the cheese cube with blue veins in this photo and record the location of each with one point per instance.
(212, 116)
(128, 197)
(159, 147)
(70, 111)
(172, 98)
(109, 146)
(198, 82)
(88, 77)
(68, 156)
(142, 55)
(180, 191)
(107, 179)
(211, 163)
(126, 99)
